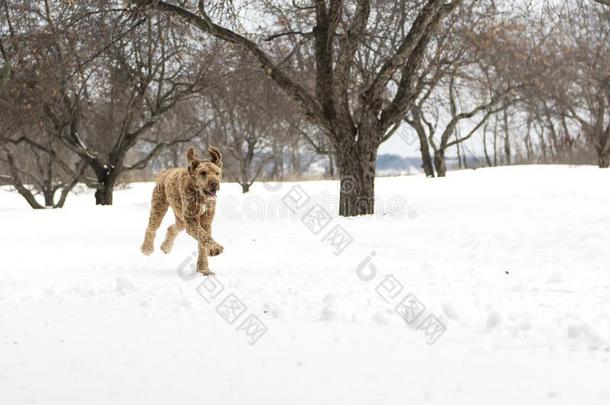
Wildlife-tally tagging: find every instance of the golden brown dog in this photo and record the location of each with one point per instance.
(191, 192)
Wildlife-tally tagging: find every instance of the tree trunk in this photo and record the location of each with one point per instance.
(459, 156)
(426, 159)
(245, 187)
(527, 140)
(543, 148)
(277, 171)
(439, 163)
(603, 159)
(496, 143)
(103, 194)
(29, 197)
(507, 148)
(19, 186)
(331, 166)
(48, 198)
(603, 150)
(357, 180)
(69, 186)
(295, 160)
(487, 159)
(176, 156)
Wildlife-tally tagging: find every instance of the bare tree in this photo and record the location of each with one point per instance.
(557, 58)
(33, 162)
(458, 86)
(249, 120)
(34, 169)
(427, 128)
(585, 93)
(97, 80)
(354, 109)
(117, 91)
(570, 85)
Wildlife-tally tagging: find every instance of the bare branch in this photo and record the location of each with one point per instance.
(291, 87)
(603, 2)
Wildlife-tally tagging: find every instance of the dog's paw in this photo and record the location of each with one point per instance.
(166, 247)
(214, 249)
(206, 272)
(147, 249)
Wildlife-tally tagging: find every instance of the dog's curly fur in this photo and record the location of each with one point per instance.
(191, 192)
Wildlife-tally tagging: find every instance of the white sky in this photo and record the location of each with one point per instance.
(398, 146)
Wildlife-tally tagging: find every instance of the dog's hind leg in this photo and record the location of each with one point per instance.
(158, 209)
(172, 232)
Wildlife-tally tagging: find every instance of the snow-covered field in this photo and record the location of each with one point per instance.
(513, 262)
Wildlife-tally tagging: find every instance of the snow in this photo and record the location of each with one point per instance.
(514, 262)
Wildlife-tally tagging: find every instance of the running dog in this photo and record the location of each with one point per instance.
(191, 192)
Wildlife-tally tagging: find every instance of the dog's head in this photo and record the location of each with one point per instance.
(205, 173)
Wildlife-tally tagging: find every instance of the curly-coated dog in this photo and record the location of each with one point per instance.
(191, 192)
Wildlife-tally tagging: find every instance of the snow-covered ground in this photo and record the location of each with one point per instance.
(513, 262)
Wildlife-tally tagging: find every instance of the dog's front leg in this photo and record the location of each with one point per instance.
(194, 228)
(202, 261)
(214, 248)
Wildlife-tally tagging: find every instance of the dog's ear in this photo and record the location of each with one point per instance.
(216, 156)
(191, 159)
